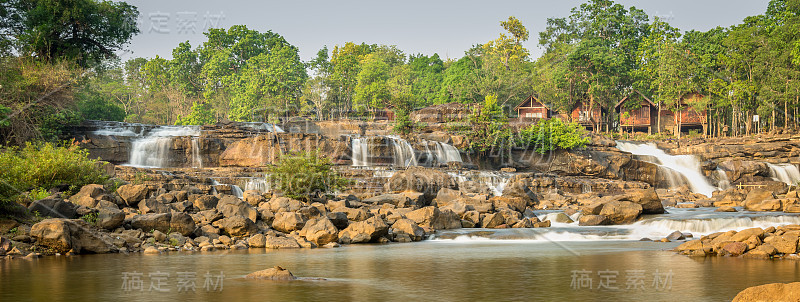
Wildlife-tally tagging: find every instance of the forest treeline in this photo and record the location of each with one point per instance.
(60, 65)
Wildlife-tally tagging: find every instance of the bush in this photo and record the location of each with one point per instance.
(40, 167)
(304, 175)
(551, 134)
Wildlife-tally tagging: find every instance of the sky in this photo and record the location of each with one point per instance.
(445, 27)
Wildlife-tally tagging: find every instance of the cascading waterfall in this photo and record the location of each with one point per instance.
(258, 184)
(237, 191)
(152, 149)
(360, 156)
(786, 173)
(446, 153)
(197, 160)
(698, 222)
(724, 183)
(495, 181)
(680, 169)
(403, 152)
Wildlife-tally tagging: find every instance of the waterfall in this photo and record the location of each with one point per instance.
(446, 153)
(403, 153)
(724, 183)
(152, 149)
(495, 181)
(236, 191)
(258, 184)
(197, 160)
(360, 156)
(680, 169)
(787, 173)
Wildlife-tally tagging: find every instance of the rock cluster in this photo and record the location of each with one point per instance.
(772, 242)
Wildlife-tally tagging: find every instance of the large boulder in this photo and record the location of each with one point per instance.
(206, 202)
(739, 169)
(288, 221)
(647, 198)
(621, 212)
(54, 207)
(590, 220)
(432, 217)
(393, 199)
(132, 194)
(759, 199)
(230, 206)
(64, 235)
(237, 226)
(275, 242)
(785, 292)
(150, 222)
(320, 231)
(424, 180)
(369, 230)
(274, 273)
(284, 204)
(408, 228)
(166, 222)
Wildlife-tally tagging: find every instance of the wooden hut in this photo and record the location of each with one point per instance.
(637, 113)
(687, 117)
(588, 115)
(532, 108)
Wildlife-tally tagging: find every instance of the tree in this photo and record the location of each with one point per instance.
(87, 31)
(304, 176)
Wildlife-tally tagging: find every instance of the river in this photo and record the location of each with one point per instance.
(434, 270)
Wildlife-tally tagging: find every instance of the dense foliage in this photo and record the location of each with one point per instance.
(551, 134)
(304, 176)
(41, 167)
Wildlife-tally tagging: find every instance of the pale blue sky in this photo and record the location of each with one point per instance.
(445, 27)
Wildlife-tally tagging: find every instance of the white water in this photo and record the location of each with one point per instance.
(360, 156)
(787, 173)
(724, 183)
(258, 184)
(197, 160)
(152, 150)
(495, 181)
(404, 155)
(685, 166)
(698, 222)
(236, 191)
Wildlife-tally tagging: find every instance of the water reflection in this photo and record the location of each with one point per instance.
(444, 271)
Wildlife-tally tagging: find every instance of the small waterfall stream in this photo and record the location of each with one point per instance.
(679, 169)
(402, 152)
(786, 173)
(152, 150)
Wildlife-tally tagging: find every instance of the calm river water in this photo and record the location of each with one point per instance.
(437, 270)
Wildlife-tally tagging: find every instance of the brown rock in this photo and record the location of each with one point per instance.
(369, 230)
(789, 292)
(320, 231)
(132, 194)
(621, 212)
(733, 248)
(589, 220)
(275, 273)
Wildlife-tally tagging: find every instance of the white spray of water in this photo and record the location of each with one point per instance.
(787, 173)
(687, 166)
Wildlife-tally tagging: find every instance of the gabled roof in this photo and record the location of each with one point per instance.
(639, 93)
(535, 99)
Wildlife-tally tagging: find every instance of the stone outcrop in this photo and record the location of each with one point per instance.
(65, 235)
(785, 292)
(274, 273)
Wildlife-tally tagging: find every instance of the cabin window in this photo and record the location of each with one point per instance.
(533, 114)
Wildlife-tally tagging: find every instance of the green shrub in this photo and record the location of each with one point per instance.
(304, 175)
(91, 218)
(43, 166)
(551, 134)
